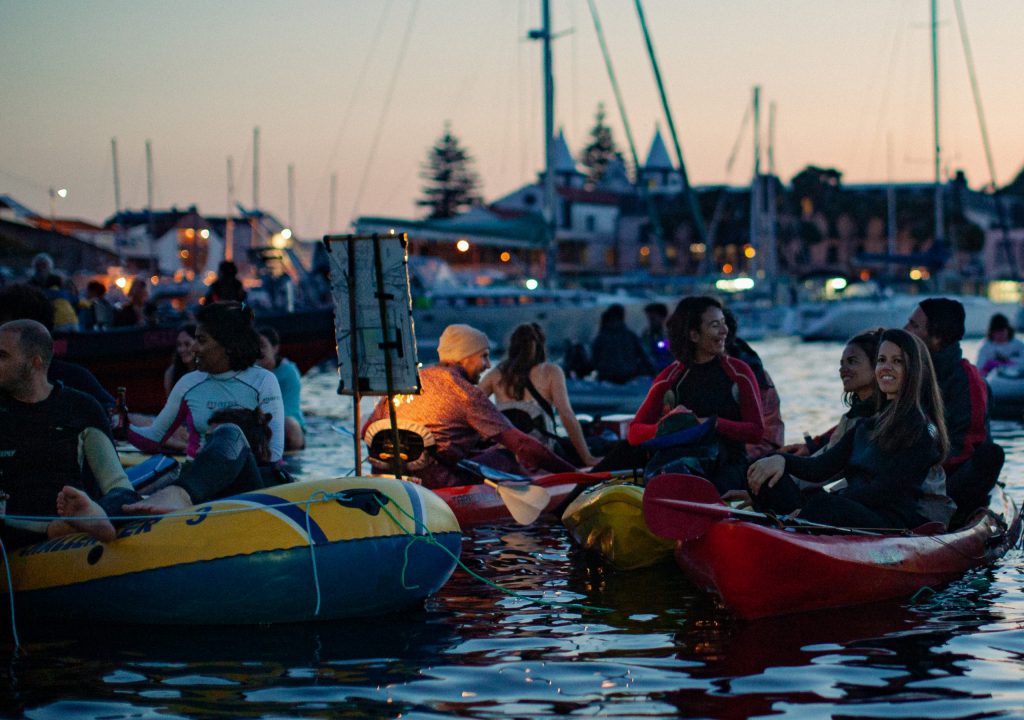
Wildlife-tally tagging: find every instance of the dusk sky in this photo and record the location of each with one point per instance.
(363, 89)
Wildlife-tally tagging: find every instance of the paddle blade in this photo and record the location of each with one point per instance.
(682, 507)
(524, 502)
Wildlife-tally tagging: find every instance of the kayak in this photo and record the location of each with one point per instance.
(758, 570)
(314, 550)
(607, 519)
(1007, 400)
(484, 504)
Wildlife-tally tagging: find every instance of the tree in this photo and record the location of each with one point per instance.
(451, 181)
(599, 153)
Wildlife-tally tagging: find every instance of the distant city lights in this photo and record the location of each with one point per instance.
(286, 234)
(462, 245)
(505, 256)
(836, 284)
(532, 284)
(734, 284)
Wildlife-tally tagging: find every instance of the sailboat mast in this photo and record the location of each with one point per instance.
(755, 184)
(551, 267)
(229, 220)
(118, 242)
(940, 235)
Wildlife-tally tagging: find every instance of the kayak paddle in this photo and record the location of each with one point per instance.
(525, 502)
(684, 507)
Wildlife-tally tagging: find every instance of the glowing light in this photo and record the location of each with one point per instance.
(865, 275)
(698, 248)
(836, 284)
(154, 279)
(121, 282)
(62, 193)
(734, 284)
(727, 268)
(190, 233)
(462, 245)
(532, 284)
(749, 252)
(286, 234)
(184, 254)
(644, 251)
(204, 234)
(915, 274)
(505, 256)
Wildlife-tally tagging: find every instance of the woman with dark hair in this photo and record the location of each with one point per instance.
(290, 380)
(227, 287)
(524, 381)
(887, 460)
(1000, 348)
(184, 360)
(860, 392)
(226, 348)
(704, 381)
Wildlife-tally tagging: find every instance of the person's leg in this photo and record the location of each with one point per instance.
(224, 466)
(294, 438)
(833, 509)
(81, 514)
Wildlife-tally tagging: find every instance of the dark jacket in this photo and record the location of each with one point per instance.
(618, 356)
(965, 399)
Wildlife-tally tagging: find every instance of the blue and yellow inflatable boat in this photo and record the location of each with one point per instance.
(311, 550)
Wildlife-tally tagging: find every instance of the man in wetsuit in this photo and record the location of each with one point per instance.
(55, 446)
(974, 461)
(459, 416)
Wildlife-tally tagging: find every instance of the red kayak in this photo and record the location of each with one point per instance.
(485, 504)
(760, 570)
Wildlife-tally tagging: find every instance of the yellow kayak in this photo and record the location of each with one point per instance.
(608, 519)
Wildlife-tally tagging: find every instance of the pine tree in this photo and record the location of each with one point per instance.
(599, 153)
(451, 181)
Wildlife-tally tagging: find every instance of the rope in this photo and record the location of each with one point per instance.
(318, 496)
(10, 595)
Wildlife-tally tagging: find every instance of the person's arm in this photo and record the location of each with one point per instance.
(644, 424)
(531, 452)
(560, 399)
(271, 403)
(823, 466)
(150, 438)
(750, 428)
(488, 381)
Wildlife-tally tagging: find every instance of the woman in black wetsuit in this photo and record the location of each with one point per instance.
(708, 383)
(885, 459)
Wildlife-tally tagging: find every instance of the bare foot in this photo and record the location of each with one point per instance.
(165, 500)
(81, 514)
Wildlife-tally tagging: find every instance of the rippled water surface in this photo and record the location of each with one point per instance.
(664, 650)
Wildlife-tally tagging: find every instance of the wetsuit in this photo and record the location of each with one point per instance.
(198, 395)
(723, 388)
(62, 440)
(884, 487)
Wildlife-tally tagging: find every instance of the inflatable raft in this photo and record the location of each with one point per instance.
(312, 550)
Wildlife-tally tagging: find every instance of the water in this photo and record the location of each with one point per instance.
(665, 650)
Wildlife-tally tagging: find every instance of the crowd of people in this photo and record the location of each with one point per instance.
(913, 446)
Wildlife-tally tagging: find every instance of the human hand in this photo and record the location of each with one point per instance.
(800, 449)
(766, 470)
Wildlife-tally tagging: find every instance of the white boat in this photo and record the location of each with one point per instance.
(842, 319)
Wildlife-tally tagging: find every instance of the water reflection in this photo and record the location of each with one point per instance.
(476, 651)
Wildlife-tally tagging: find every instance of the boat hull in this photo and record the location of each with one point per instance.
(482, 505)
(1007, 399)
(760, 571)
(608, 520)
(249, 559)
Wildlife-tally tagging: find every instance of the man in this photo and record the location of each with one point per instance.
(459, 415)
(25, 302)
(55, 445)
(974, 461)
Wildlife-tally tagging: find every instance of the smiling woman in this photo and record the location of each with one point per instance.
(887, 460)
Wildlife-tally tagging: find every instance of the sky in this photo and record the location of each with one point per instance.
(362, 89)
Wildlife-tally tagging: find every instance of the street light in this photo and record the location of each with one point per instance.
(54, 194)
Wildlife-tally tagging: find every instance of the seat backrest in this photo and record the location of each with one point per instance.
(416, 444)
(527, 417)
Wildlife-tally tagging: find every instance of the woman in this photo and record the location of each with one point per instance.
(1000, 347)
(226, 349)
(860, 392)
(290, 380)
(524, 380)
(706, 382)
(886, 459)
(184, 360)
